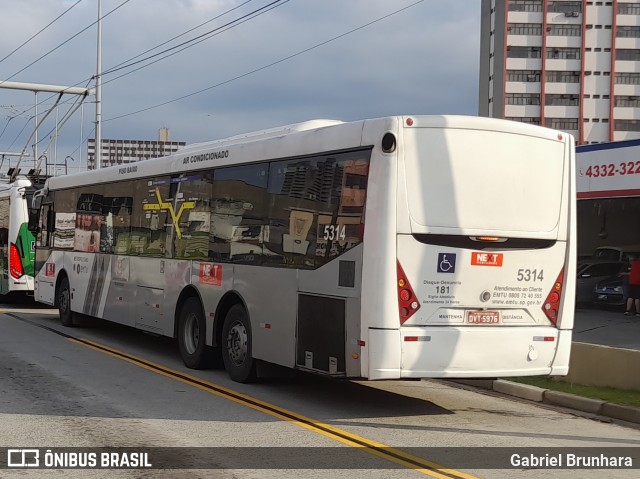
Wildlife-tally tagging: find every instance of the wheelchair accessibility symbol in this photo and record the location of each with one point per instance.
(446, 263)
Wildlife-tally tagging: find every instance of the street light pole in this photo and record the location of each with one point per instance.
(35, 144)
(98, 149)
(46, 164)
(65, 163)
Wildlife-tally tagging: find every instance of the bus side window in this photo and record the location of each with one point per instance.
(238, 214)
(193, 197)
(46, 221)
(293, 195)
(316, 207)
(63, 220)
(340, 225)
(51, 221)
(117, 208)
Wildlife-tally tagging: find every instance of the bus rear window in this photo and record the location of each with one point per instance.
(491, 181)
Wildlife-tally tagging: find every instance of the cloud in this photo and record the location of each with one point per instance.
(422, 60)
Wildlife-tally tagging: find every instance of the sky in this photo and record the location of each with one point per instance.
(289, 61)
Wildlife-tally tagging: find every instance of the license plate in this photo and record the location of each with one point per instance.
(602, 296)
(483, 317)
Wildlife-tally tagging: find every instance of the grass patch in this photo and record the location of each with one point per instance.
(617, 396)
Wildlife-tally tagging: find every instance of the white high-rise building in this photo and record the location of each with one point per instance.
(570, 65)
(118, 152)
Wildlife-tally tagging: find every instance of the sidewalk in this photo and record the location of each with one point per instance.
(556, 398)
(599, 327)
(607, 328)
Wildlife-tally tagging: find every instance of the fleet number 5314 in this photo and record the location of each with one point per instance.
(530, 275)
(335, 232)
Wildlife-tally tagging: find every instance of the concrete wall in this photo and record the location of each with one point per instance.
(593, 365)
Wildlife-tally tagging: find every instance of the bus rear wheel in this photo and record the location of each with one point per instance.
(236, 345)
(192, 336)
(63, 297)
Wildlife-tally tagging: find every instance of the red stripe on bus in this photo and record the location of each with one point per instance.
(608, 193)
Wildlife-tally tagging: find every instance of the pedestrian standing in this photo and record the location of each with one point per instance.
(634, 288)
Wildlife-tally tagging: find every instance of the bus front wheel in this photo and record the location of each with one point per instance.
(64, 303)
(236, 345)
(192, 336)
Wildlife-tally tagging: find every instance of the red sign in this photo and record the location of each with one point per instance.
(49, 269)
(211, 274)
(486, 259)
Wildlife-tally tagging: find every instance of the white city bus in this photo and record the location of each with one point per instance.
(400, 247)
(17, 243)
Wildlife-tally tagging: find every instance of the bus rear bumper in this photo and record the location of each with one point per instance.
(23, 284)
(469, 352)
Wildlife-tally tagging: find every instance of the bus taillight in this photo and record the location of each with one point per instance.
(15, 262)
(407, 301)
(551, 305)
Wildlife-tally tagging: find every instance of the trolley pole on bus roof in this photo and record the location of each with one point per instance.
(3, 156)
(38, 87)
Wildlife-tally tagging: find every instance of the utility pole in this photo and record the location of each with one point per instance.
(98, 151)
(35, 137)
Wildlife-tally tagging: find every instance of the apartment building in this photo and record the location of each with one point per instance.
(120, 151)
(573, 65)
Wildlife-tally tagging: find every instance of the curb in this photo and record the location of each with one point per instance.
(571, 401)
(556, 398)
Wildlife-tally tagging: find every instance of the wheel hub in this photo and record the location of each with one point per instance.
(237, 344)
(191, 334)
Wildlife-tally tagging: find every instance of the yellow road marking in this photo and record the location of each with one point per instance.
(367, 445)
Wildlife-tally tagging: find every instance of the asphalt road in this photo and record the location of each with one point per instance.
(59, 392)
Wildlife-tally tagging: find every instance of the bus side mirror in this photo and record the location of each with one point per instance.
(33, 225)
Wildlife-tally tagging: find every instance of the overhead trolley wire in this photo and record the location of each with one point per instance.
(20, 132)
(200, 38)
(185, 45)
(157, 46)
(65, 42)
(45, 55)
(6, 125)
(55, 131)
(208, 35)
(84, 140)
(264, 67)
(17, 170)
(41, 30)
(178, 36)
(212, 33)
(71, 109)
(12, 117)
(58, 103)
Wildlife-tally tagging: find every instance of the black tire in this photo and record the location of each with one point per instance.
(236, 345)
(63, 298)
(192, 333)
